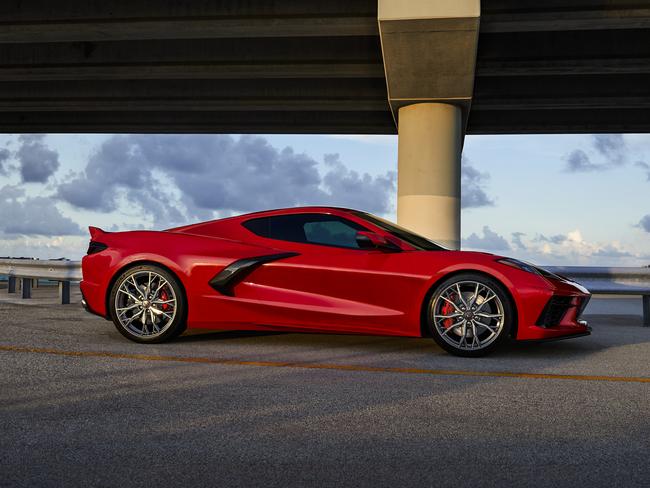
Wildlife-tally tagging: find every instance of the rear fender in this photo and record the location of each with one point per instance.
(133, 264)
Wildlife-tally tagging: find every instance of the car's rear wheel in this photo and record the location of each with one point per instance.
(147, 304)
(470, 315)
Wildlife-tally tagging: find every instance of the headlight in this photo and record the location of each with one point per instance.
(515, 263)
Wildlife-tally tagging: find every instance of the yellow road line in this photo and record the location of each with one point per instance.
(337, 367)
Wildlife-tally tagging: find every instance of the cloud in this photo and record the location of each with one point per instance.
(644, 223)
(517, 240)
(490, 241)
(32, 215)
(37, 161)
(355, 190)
(5, 154)
(572, 249)
(611, 146)
(172, 178)
(578, 161)
(610, 251)
(72, 247)
(472, 192)
(113, 165)
(611, 151)
(554, 239)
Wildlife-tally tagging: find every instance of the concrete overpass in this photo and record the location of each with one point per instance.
(434, 69)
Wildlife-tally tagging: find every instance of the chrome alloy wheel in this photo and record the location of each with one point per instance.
(468, 315)
(145, 304)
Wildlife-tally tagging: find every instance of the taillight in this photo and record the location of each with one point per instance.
(95, 247)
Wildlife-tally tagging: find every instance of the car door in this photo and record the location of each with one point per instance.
(331, 283)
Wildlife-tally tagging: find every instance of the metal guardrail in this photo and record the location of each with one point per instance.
(622, 281)
(611, 281)
(28, 270)
(598, 280)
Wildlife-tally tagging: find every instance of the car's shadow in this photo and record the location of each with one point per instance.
(225, 335)
(608, 332)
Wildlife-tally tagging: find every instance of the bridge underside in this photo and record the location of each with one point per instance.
(308, 67)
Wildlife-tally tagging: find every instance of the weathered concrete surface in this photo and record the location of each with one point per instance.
(284, 66)
(73, 417)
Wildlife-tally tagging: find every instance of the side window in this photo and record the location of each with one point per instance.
(331, 233)
(322, 229)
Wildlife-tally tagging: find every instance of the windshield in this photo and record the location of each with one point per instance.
(418, 242)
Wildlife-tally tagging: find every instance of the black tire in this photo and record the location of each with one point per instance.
(500, 327)
(172, 328)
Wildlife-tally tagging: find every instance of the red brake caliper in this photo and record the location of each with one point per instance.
(448, 309)
(163, 298)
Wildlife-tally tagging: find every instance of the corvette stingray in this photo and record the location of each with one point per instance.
(322, 270)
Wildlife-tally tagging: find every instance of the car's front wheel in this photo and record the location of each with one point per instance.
(470, 315)
(147, 304)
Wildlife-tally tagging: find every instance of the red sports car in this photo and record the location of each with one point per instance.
(326, 270)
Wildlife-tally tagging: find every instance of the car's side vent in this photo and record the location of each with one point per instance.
(95, 247)
(227, 278)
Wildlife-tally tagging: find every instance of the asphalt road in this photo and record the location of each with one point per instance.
(80, 405)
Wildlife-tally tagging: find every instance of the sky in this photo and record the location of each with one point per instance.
(548, 199)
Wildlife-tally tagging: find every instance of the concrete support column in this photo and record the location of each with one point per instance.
(428, 180)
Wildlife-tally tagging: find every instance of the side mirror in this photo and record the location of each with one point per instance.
(370, 240)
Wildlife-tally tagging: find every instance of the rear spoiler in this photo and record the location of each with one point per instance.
(96, 232)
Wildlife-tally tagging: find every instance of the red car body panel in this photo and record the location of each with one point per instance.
(321, 288)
